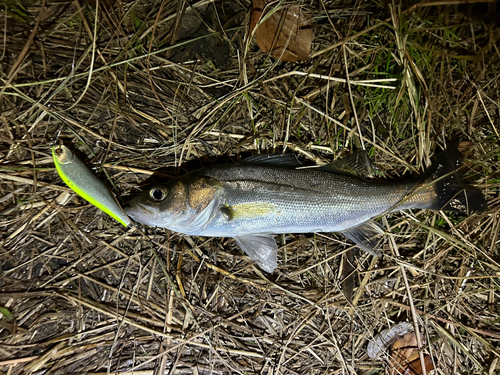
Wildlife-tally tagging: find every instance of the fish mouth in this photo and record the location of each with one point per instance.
(149, 214)
(139, 212)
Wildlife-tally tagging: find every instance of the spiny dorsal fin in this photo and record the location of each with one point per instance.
(357, 164)
(278, 160)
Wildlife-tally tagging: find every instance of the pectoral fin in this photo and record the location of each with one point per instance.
(262, 248)
(367, 236)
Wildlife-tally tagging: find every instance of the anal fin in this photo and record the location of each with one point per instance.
(262, 248)
(367, 236)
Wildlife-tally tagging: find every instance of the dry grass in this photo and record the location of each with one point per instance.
(80, 294)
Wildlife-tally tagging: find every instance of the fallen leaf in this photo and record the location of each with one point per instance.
(403, 351)
(415, 367)
(405, 356)
(286, 33)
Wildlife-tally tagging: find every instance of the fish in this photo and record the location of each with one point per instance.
(264, 195)
(86, 184)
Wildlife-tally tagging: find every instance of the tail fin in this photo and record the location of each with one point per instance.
(451, 193)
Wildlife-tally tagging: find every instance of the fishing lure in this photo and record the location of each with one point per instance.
(82, 181)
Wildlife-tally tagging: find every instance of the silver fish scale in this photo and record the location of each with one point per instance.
(250, 202)
(305, 200)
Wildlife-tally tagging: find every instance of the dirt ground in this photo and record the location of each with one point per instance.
(146, 90)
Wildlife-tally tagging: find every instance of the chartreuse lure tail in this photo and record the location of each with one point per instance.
(82, 181)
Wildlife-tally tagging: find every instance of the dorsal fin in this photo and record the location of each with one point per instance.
(278, 160)
(357, 164)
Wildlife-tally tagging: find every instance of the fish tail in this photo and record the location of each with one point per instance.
(449, 191)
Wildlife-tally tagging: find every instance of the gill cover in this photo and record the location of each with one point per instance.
(205, 197)
(184, 205)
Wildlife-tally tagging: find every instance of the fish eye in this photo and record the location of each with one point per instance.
(157, 194)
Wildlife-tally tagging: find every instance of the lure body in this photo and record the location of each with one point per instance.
(85, 183)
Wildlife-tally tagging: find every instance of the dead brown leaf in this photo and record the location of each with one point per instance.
(415, 367)
(286, 34)
(405, 356)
